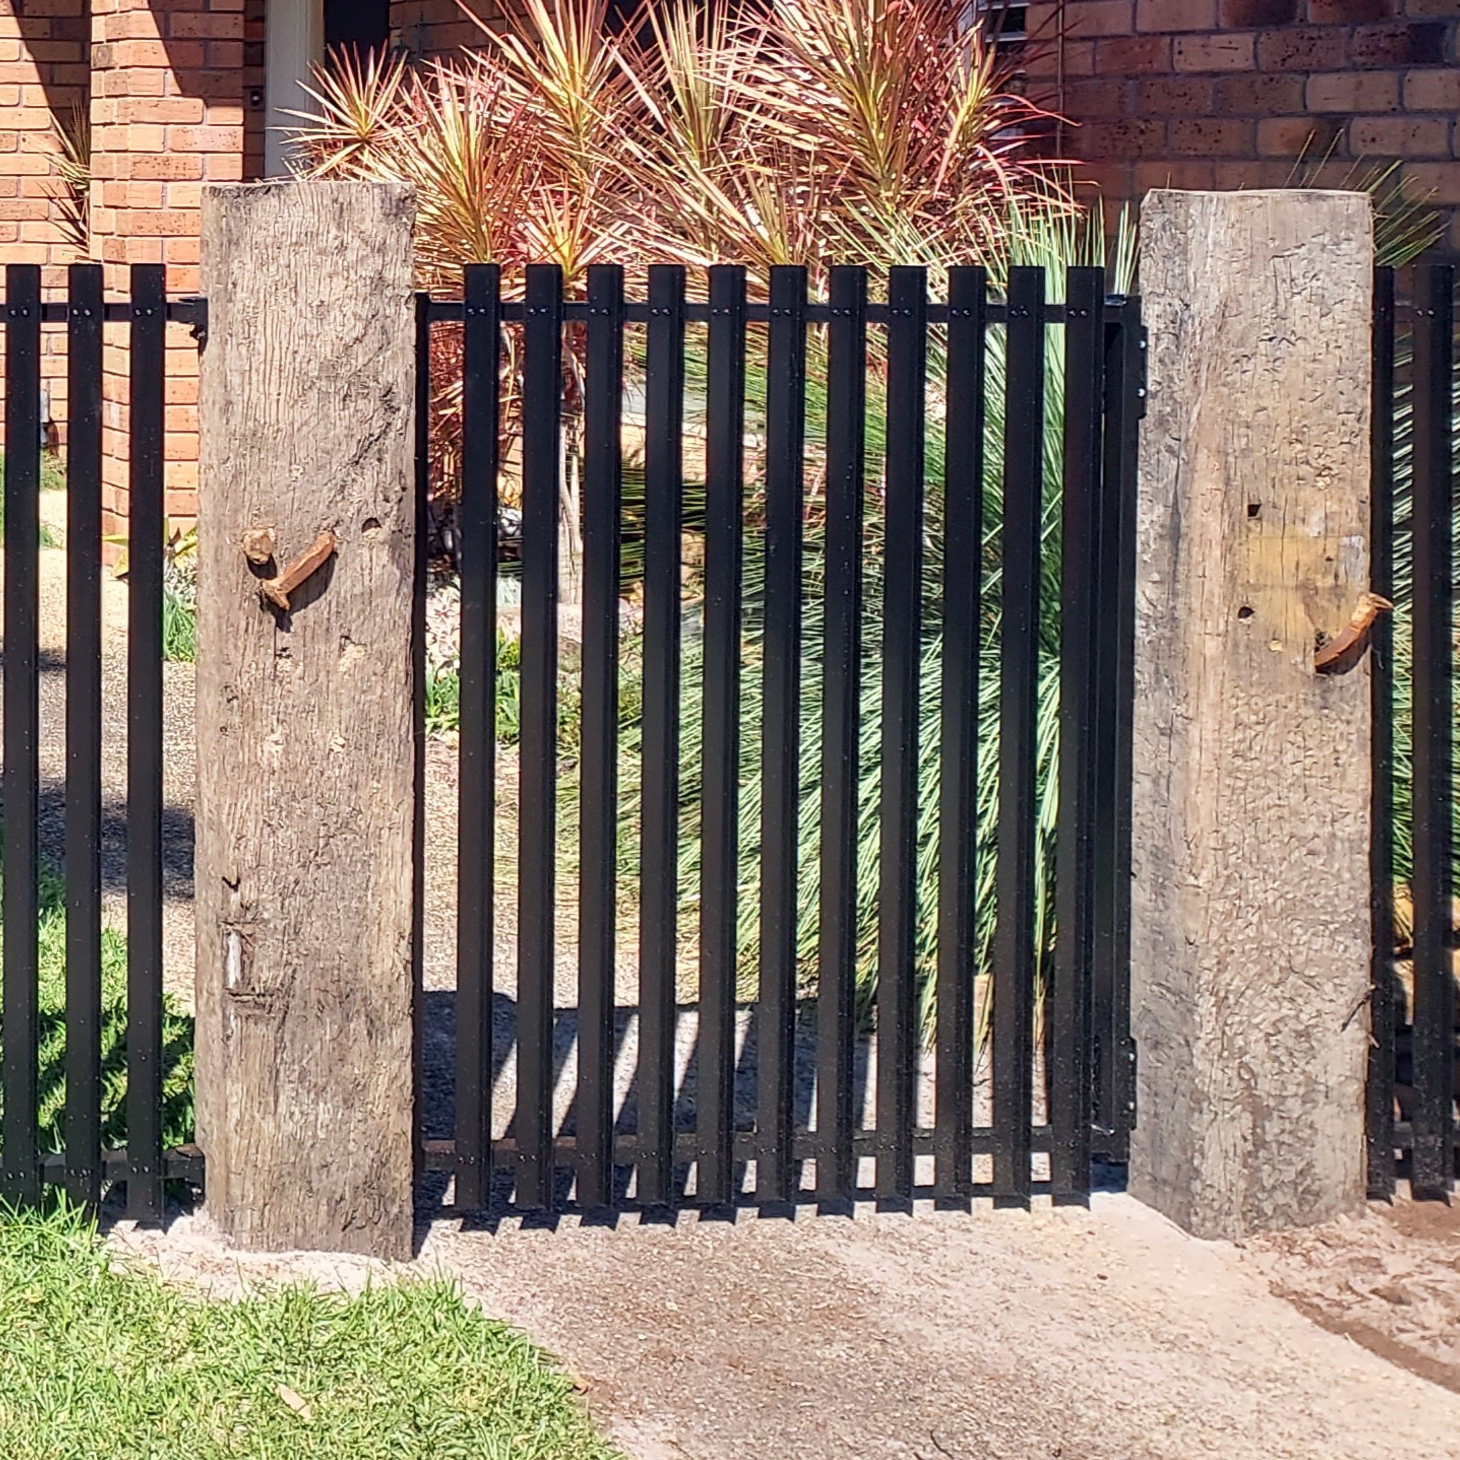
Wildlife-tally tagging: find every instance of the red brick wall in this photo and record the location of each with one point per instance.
(1225, 93)
(43, 77)
(254, 112)
(434, 27)
(167, 115)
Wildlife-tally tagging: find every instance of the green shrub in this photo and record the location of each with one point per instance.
(179, 628)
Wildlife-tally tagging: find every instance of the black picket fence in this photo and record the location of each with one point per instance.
(807, 1043)
(1414, 1071)
(794, 1060)
(102, 1037)
(730, 1063)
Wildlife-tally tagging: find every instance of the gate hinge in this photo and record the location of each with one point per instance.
(1142, 355)
(1128, 1054)
(191, 310)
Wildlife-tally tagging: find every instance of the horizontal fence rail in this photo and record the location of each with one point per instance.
(708, 1000)
(95, 1043)
(514, 311)
(1414, 1069)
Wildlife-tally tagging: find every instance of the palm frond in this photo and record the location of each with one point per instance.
(1404, 225)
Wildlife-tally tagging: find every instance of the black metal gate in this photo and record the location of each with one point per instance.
(1414, 1070)
(907, 564)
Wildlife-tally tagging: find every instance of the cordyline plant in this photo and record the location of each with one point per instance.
(860, 131)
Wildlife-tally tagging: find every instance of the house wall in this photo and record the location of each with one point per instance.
(1226, 93)
(1190, 93)
(43, 79)
(167, 114)
(255, 112)
(429, 28)
(173, 90)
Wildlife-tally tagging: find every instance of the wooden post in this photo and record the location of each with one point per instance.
(306, 783)
(1250, 923)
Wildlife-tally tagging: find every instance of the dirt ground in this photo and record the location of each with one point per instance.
(180, 786)
(179, 791)
(1069, 1333)
(1390, 1281)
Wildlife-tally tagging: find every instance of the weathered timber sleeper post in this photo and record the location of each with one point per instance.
(305, 761)
(1250, 921)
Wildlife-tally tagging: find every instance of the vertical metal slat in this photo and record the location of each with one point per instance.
(1018, 693)
(659, 869)
(144, 745)
(907, 345)
(418, 731)
(846, 429)
(1132, 384)
(477, 524)
(781, 738)
(83, 733)
(1433, 1159)
(1381, 693)
(958, 776)
(602, 503)
(1106, 969)
(20, 1171)
(542, 385)
(719, 859)
(1082, 608)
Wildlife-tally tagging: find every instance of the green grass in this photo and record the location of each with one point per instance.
(177, 1034)
(443, 698)
(46, 536)
(101, 1360)
(443, 701)
(53, 472)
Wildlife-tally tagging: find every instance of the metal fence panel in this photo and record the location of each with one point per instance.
(83, 1165)
(1414, 1063)
(784, 1078)
(742, 1098)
